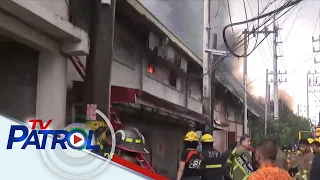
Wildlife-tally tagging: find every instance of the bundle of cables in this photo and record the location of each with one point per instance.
(269, 19)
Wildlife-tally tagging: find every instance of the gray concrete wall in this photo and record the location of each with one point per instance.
(158, 85)
(18, 80)
(52, 89)
(59, 7)
(129, 69)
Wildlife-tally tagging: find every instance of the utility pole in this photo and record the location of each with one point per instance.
(312, 81)
(246, 34)
(275, 71)
(213, 81)
(308, 83)
(98, 65)
(245, 83)
(266, 105)
(208, 95)
(269, 98)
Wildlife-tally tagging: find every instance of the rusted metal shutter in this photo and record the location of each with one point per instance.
(167, 147)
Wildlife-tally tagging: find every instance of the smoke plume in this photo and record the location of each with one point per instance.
(235, 65)
(286, 98)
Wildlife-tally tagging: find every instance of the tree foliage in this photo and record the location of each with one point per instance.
(285, 130)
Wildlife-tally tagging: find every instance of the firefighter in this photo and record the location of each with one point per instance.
(315, 168)
(240, 160)
(191, 159)
(310, 140)
(103, 140)
(129, 143)
(212, 160)
(303, 160)
(315, 146)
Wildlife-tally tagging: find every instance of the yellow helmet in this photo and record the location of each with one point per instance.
(207, 138)
(310, 140)
(191, 136)
(317, 139)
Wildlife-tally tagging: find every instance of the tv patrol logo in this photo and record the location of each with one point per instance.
(67, 151)
(77, 137)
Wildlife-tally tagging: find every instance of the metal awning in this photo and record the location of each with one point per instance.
(129, 95)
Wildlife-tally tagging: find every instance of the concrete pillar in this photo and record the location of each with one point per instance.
(52, 89)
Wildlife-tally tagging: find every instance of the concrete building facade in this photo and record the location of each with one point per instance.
(36, 39)
(162, 76)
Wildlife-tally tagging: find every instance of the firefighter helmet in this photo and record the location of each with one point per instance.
(191, 136)
(207, 138)
(310, 140)
(130, 139)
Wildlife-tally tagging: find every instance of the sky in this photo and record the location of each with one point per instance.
(297, 29)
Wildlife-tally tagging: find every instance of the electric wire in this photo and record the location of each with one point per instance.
(213, 64)
(289, 15)
(277, 11)
(246, 14)
(228, 54)
(230, 18)
(262, 57)
(215, 16)
(265, 64)
(305, 60)
(265, 8)
(256, 79)
(269, 47)
(259, 48)
(288, 34)
(266, 21)
(315, 27)
(239, 35)
(245, 11)
(237, 80)
(256, 29)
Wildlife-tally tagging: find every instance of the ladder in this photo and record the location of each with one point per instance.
(144, 163)
(115, 120)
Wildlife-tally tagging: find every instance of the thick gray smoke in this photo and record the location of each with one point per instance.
(184, 18)
(230, 64)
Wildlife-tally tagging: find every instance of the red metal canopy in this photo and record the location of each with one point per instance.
(129, 95)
